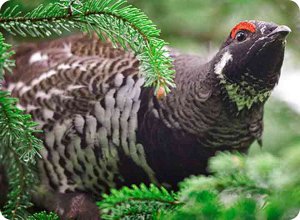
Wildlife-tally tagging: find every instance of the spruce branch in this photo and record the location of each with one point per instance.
(43, 216)
(5, 54)
(123, 24)
(137, 202)
(19, 147)
(236, 172)
(264, 196)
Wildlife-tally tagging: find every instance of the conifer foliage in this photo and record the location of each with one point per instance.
(137, 202)
(122, 24)
(5, 54)
(240, 187)
(19, 146)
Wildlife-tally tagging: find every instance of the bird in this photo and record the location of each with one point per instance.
(103, 129)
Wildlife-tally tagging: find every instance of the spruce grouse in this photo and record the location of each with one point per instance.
(103, 129)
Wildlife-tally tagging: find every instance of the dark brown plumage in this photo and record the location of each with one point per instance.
(102, 129)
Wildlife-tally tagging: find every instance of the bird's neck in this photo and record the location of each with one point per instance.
(244, 91)
(193, 99)
(244, 94)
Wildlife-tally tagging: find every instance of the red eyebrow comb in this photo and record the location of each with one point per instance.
(242, 26)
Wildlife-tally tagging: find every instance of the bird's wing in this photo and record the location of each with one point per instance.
(67, 76)
(85, 96)
(32, 59)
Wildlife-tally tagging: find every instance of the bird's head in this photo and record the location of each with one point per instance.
(249, 61)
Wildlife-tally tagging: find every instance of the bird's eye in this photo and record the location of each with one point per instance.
(241, 36)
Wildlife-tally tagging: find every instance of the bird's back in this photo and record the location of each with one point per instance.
(85, 95)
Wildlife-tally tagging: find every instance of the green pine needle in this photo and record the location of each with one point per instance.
(137, 202)
(43, 216)
(217, 197)
(123, 24)
(5, 54)
(19, 148)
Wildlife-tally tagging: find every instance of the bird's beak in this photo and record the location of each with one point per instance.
(281, 31)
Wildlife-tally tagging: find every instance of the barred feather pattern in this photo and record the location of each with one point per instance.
(85, 98)
(102, 129)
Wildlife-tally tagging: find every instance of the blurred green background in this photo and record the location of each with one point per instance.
(200, 26)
